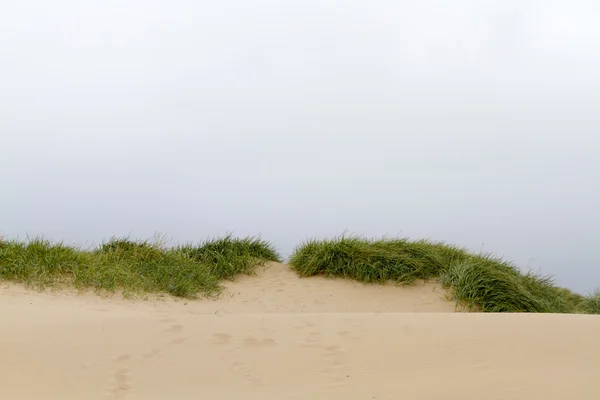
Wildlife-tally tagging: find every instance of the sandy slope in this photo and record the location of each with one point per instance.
(279, 337)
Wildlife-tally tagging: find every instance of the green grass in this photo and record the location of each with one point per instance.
(228, 257)
(137, 268)
(133, 267)
(591, 304)
(480, 282)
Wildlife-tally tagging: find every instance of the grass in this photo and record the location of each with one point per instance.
(229, 257)
(591, 304)
(133, 267)
(478, 281)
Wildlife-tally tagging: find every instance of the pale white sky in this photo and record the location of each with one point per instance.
(472, 122)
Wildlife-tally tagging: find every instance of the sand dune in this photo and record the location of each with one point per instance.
(275, 336)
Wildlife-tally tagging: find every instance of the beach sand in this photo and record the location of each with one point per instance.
(276, 336)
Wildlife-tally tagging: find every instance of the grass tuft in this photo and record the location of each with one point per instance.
(229, 257)
(124, 245)
(492, 285)
(381, 260)
(478, 281)
(591, 303)
(38, 262)
(133, 267)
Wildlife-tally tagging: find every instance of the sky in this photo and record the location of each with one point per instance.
(471, 122)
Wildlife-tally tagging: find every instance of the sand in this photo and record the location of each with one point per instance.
(275, 336)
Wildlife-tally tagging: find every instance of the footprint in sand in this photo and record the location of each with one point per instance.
(175, 328)
(333, 349)
(222, 338)
(179, 340)
(123, 358)
(120, 380)
(121, 384)
(152, 353)
(252, 341)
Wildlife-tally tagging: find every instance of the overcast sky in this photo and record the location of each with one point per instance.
(473, 122)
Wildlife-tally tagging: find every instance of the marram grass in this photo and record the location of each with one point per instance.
(133, 267)
(228, 257)
(478, 281)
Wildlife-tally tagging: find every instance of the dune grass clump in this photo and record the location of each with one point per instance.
(125, 245)
(591, 303)
(133, 267)
(38, 262)
(382, 260)
(140, 267)
(481, 282)
(491, 285)
(229, 257)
